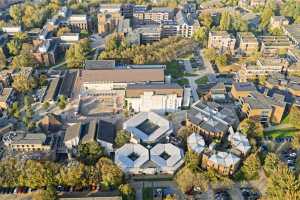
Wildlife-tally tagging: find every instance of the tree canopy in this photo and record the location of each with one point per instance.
(251, 167)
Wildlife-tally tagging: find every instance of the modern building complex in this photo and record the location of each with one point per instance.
(161, 98)
(147, 127)
(247, 43)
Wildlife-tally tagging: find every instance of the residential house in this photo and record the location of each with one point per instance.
(263, 108)
(221, 40)
(278, 21)
(273, 45)
(210, 119)
(242, 89)
(186, 24)
(247, 43)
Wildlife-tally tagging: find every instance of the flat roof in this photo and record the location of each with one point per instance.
(106, 131)
(52, 90)
(99, 64)
(123, 75)
(244, 86)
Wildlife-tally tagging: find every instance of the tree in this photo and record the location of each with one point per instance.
(210, 54)
(251, 128)
(127, 192)
(75, 56)
(206, 20)
(16, 13)
(186, 180)
(271, 163)
(3, 60)
(265, 17)
(14, 47)
(62, 31)
(293, 117)
(221, 60)
(239, 25)
(111, 174)
(200, 35)
(89, 153)
(22, 84)
(225, 21)
(192, 160)
(296, 141)
(48, 194)
(276, 31)
(170, 197)
(10, 171)
(282, 184)
(122, 138)
(183, 133)
(21, 36)
(251, 167)
(290, 8)
(72, 175)
(46, 105)
(25, 59)
(62, 102)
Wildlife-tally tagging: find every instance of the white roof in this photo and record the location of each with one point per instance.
(239, 142)
(174, 156)
(164, 126)
(123, 160)
(224, 159)
(196, 143)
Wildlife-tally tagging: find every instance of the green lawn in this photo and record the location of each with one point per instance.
(174, 69)
(147, 193)
(183, 81)
(202, 80)
(281, 133)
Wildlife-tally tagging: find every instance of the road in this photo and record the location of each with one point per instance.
(207, 69)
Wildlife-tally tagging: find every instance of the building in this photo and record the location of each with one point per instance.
(149, 33)
(136, 159)
(156, 15)
(264, 66)
(106, 134)
(257, 3)
(7, 97)
(147, 127)
(278, 21)
(131, 157)
(50, 123)
(210, 119)
(27, 142)
(78, 23)
(293, 32)
(11, 30)
(186, 24)
(263, 108)
(161, 98)
(239, 143)
(247, 43)
(108, 21)
(70, 38)
(224, 163)
(109, 86)
(221, 40)
(167, 157)
(272, 45)
(218, 92)
(99, 64)
(46, 52)
(242, 89)
(196, 143)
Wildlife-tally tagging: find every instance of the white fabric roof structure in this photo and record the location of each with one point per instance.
(239, 142)
(163, 126)
(167, 156)
(127, 164)
(196, 143)
(225, 159)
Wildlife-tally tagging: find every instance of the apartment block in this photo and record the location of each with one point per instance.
(221, 40)
(247, 43)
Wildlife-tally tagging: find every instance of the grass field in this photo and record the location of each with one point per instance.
(147, 193)
(281, 133)
(174, 69)
(202, 80)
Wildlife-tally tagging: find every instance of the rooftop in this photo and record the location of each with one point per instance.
(123, 75)
(239, 141)
(196, 143)
(224, 159)
(244, 86)
(99, 64)
(148, 126)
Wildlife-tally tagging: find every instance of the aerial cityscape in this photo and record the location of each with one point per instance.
(150, 99)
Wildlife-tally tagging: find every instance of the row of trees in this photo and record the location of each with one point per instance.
(33, 15)
(39, 175)
(77, 53)
(163, 51)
